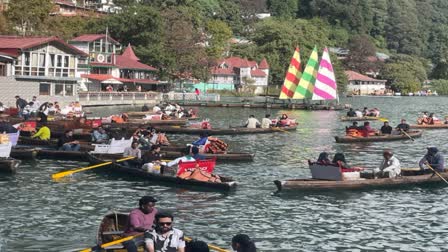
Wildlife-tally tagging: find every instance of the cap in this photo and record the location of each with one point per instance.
(146, 199)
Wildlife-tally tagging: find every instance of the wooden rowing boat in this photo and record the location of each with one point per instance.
(23, 153)
(142, 114)
(314, 184)
(227, 184)
(111, 228)
(429, 126)
(223, 157)
(52, 143)
(364, 118)
(132, 123)
(9, 165)
(223, 131)
(379, 138)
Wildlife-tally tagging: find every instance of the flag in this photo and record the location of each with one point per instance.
(292, 77)
(306, 84)
(325, 87)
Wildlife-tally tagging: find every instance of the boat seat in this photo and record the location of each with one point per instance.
(112, 232)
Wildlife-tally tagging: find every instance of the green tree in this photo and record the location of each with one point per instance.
(68, 27)
(283, 8)
(441, 86)
(29, 16)
(4, 26)
(219, 33)
(362, 51)
(405, 73)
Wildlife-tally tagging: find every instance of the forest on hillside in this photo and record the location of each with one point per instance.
(171, 34)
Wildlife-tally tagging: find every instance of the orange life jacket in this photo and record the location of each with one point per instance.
(353, 132)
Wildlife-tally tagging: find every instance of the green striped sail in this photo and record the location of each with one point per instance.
(306, 85)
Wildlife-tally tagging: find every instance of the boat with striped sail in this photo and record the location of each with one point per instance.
(292, 77)
(306, 85)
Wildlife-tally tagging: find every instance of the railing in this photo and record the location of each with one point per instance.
(191, 97)
(102, 98)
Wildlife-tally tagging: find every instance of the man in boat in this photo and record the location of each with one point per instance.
(195, 153)
(434, 159)
(99, 135)
(266, 122)
(386, 128)
(365, 111)
(6, 127)
(164, 238)
(140, 220)
(403, 126)
(67, 143)
(203, 137)
(351, 113)
(389, 167)
(44, 133)
(20, 104)
(133, 151)
(43, 111)
(156, 109)
(186, 158)
(152, 160)
(252, 122)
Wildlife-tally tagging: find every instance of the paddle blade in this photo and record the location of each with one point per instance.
(383, 119)
(70, 172)
(105, 245)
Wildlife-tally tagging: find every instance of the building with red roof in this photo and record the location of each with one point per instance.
(106, 66)
(360, 84)
(45, 66)
(237, 71)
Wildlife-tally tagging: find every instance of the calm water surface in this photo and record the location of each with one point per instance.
(37, 214)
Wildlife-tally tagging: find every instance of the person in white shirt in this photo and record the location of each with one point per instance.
(252, 122)
(164, 238)
(358, 113)
(156, 109)
(389, 166)
(133, 151)
(266, 122)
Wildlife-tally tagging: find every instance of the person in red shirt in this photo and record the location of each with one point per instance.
(140, 220)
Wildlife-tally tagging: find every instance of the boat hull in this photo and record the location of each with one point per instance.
(227, 184)
(365, 118)
(224, 157)
(384, 138)
(313, 184)
(9, 165)
(228, 131)
(429, 126)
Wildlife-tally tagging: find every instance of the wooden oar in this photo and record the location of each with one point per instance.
(436, 172)
(215, 248)
(281, 130)
(108, 244)
(404, 132)
(383, 119)
(70, 172)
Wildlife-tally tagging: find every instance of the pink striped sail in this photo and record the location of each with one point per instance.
(325, 87)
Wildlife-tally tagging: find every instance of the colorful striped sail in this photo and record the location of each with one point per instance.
(306, 84)
(325, 87)
(292, 77)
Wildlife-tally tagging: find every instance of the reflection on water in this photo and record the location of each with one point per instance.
(40, 215)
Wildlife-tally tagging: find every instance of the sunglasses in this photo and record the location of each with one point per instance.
(164, 223)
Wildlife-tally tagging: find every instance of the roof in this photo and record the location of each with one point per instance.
(354, 76)
(104, 77)
(15, 43)
(64, 2)
(263, 64)
(129, 53)
(122, 61)
(222, 71)
(237, 62)
(92, 37)
(257, 73)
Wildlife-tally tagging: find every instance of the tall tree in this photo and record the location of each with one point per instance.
(405, 73)
(362, 55)
(219, 35)
(29, 16)
(283, 8)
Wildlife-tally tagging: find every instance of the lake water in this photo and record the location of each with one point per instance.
(37, 214)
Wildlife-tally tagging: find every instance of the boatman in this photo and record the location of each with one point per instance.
(140, 220)
(434, 159)
(389, 167)
(351, 113)
(403, 126)
(164, 238)
(252, 122)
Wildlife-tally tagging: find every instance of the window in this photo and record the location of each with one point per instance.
(27, 59)
(66, 61)
(59, 60)
(69, 90)
(52, 64)
(44, 89)
(59, 89)
(42, 60)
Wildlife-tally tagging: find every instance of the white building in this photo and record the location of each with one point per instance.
(359, 84)
(237, 72)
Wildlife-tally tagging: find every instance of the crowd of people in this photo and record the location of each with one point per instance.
(267, 122)
(430, 119)
(161, 235)
(363, 113)
(366, 130)
(171, 109)
(390, 166)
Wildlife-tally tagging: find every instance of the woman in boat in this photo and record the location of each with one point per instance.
(324, 159)
(243, 243)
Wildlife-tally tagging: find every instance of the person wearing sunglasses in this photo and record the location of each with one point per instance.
(140, 220)
(164, 238)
